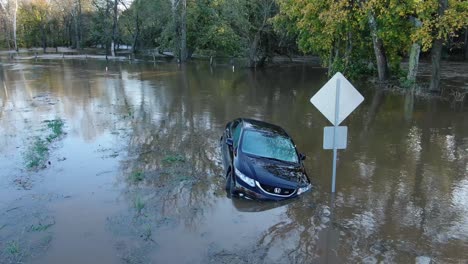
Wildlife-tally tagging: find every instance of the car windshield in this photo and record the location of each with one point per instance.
(269, 146)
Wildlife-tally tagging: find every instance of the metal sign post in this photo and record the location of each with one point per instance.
(336, 100)
(337, 109)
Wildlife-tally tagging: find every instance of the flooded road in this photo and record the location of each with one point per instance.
(124, 166)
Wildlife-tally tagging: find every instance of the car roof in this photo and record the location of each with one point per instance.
(262, 126)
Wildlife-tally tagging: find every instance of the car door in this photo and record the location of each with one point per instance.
(224, 147)
(232, 131)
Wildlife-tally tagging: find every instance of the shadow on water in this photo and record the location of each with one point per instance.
(137, 176)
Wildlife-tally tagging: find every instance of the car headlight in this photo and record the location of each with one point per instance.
(244, 178)
(304, 189)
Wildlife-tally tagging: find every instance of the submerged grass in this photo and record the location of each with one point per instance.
(56, 127)
(40, 227)
(138, 204)
(173, 158)
(13, 251)
(37, 153)
(136, 176)
(13, 248)
(147, 233)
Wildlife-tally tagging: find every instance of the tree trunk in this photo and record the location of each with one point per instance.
(107, 29)
(114, 28)
(70, 35)
(43, 38)
(78, 26)
(379, 50)
(176, 51)
(413, 62)
(414, 56)
(183, 39)
(253, 51)
(466, 43)
(349, 48)
(5, 33)
(436, 54)
(14, 25)
(76, 39)
(80, 30)
(330, 61)
(137, 26)
(137, 34)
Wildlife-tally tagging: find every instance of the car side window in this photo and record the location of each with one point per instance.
(236, 129)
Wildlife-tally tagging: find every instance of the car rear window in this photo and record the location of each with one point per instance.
(269, 145)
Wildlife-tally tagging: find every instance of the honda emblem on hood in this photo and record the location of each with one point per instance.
(277, 190)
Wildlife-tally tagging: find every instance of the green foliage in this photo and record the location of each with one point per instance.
(353, 70)
(34, 20)
(435, 26)
(339, 33)
(209, 29)
(405, 83)
(152, 19)
(101, 25)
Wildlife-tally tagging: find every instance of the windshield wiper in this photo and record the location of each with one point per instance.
(270, 158)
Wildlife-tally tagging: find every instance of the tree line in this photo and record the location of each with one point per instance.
(356, 37)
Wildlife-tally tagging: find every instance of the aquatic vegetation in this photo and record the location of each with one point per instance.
(147, 233)
(136, 176)
(13, 248)
(139, 204)
(13, 252)
(174, 158)
(56, 127)
(37, 154)
(40, 227)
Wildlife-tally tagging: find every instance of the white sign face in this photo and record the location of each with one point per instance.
(341, 139)
(324, 100)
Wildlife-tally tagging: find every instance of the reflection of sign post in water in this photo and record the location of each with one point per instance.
(336, 100)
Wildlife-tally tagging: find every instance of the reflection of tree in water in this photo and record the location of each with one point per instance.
(398, 190)
(171, 143)
(294, 239)
(403, 187)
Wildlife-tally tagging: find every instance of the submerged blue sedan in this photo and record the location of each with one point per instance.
(261, 161)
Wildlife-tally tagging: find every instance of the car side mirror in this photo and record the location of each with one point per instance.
(229, 142)
(302, 156)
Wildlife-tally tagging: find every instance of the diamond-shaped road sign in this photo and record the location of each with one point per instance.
(349, 98)
(336, 100)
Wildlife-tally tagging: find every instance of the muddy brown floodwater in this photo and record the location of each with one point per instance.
(123, 166)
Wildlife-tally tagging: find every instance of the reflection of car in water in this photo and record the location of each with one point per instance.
(261, 161)
(251, 206)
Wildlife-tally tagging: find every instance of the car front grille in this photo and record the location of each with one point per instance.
(285, 192)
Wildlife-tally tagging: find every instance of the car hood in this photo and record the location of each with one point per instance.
(273, 173)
